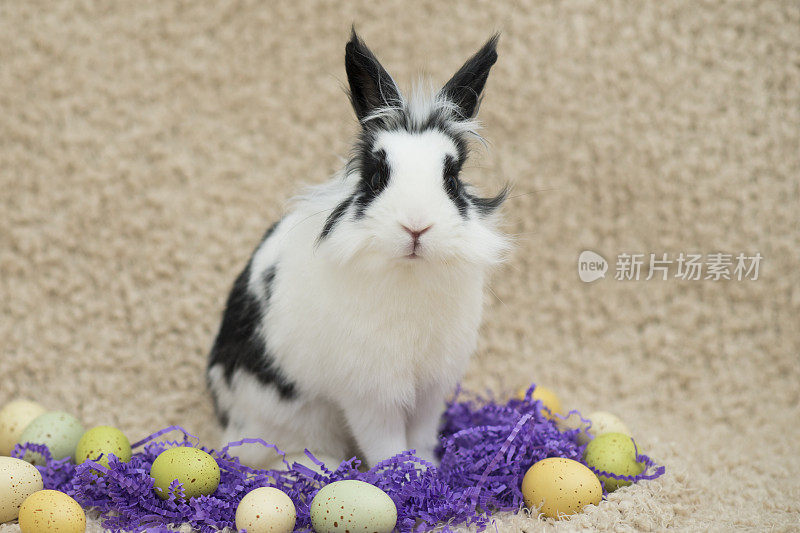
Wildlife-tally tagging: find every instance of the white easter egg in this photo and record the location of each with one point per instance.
(266, 510)
(604, 422)
(18, 480)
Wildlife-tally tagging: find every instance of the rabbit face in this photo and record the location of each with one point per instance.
(408, 204)
(414, 214)
(413, 207)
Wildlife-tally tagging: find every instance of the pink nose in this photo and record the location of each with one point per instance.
(415, 233)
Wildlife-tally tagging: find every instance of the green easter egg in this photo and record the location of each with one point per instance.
(614, 453)
(352, 505)
(59, 431)
(195, 469)
(103, 440)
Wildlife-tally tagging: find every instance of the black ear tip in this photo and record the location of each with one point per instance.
(355, 42)
(489, 50)
(356, 48)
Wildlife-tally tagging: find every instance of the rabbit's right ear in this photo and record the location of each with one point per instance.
(371, 87)
(465, 88)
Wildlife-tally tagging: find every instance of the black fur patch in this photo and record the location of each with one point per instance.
(374, 178)
(487, 206)
(270, 231)
(334, 217)
(238, 344)
(269, 277)
(452, 184)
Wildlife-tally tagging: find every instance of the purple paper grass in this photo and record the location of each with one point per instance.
(485, 449)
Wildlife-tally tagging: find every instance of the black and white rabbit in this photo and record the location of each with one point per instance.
(359, 310)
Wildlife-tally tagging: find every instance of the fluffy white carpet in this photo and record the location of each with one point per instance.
(145, 146)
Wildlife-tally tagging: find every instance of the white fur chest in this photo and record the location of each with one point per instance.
(376, 336)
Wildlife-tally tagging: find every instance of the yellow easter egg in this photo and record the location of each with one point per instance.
(51, 511)
(560, 487)
(550, 402)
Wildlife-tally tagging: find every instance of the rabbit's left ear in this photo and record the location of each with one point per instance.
(465, 87)
(371, 87)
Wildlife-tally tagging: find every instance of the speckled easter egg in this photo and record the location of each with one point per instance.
(197, 470)
(18, 480)
(266, 510)
(550, 402)
(604, 422)
(103, 440)
(58, 430)
(560, 487)
(14, 418)
(352, 505)
(614, 453)
(51, 511)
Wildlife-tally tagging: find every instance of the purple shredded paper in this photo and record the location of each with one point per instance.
(485, 449)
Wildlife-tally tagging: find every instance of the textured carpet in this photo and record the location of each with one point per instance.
(145, 146)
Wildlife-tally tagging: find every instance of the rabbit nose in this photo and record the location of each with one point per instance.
(415, 233)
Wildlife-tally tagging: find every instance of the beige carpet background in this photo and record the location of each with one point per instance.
(145, 146)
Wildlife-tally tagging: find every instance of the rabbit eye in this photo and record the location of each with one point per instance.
(380, 174)
(378, 180)
(451, 184)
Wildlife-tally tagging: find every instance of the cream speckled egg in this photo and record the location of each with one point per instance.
(103, 440)
(604, 422)
(58, 430)
(18, 480)
(197, 470)
(266, 510)
(14, 418)
(560, 487)
(351, 506)
(51, 511)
